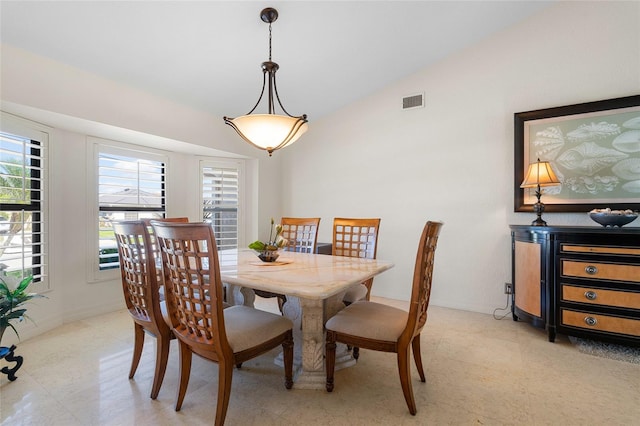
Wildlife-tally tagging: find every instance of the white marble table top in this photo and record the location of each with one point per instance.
(308, 276)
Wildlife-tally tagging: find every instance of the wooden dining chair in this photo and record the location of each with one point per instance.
(142, 295)
(384, 328)
(147, 221)
(154, 246)
(228, 337)
(302, 235)
(356, 238)
(301, 232)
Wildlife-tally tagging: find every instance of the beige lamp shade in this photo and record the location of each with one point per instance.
(269, 131)
(540, 173)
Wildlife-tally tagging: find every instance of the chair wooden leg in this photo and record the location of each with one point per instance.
(330, 356)
(404, 371)
(417, 357)
(185, 372)
(162, 356)
(287, 349)
(225, 377)
(137, 348)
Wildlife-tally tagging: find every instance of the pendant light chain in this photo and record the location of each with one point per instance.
(269, 41)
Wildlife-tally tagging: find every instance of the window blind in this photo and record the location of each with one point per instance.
(129, 188)
(220, 198)
(22, 225)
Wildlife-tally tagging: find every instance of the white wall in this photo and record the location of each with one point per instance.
(453, 159)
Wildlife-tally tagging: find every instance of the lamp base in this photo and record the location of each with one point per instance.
(538, 208)
(539, 222)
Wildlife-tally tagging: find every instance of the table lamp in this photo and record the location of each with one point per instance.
(539, 174)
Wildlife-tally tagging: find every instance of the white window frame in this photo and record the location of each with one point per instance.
(28, 129)
(224, 163)
(98, 145)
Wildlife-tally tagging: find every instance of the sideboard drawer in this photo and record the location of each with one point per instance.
(597, 322)
(599, 296)
(573, 248)
(602, 271)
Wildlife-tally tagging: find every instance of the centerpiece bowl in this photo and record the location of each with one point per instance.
(268, 255)
(613, 218)
(268, 252)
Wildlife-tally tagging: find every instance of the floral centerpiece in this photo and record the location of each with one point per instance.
(268, 252)
(11, 302)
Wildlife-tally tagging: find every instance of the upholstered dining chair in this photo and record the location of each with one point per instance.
(302, 235)
(379, 327)
(194, 301)
(356, 238)
(142, 295)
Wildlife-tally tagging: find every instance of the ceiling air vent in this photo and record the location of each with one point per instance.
(413, 101)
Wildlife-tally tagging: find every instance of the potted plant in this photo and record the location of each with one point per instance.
(11, 304)
(268, 252)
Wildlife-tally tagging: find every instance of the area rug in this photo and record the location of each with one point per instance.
(607, 350)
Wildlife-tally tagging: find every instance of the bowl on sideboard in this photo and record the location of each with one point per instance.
(613, 219)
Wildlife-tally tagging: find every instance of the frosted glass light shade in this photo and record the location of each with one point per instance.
(269, 131)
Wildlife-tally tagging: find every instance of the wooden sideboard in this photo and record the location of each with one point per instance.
(581, 280)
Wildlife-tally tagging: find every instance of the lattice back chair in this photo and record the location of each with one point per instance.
(194, 300)
(141, 291)
(156, 252)
(147, 221)
(356, 238)
(384, 328)
(302, 234)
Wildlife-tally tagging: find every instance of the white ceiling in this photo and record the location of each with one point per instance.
(207, 54)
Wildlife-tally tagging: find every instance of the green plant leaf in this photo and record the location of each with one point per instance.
(24, 284)
(3, 287)
(257, 245)
(10, 300)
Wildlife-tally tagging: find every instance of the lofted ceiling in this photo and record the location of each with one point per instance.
(207, 54)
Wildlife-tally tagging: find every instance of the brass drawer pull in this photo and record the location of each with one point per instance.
(591, 270)
(591, 295)
(590, 321)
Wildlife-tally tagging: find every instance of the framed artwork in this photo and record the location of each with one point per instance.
(594, 149)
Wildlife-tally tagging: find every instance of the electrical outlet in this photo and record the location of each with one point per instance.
(508, 288)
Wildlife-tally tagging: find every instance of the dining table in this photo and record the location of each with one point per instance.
(314, 285)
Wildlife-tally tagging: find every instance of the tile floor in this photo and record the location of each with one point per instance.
(479, 371)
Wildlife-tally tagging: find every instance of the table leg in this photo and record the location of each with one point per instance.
(237, 295)
(308, 317)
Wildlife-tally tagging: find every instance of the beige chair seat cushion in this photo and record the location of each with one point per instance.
(248, 327)
(355, 293)
(370, 320)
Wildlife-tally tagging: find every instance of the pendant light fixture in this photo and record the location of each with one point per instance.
(270, 131)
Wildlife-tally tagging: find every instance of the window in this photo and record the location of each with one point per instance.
(131, 186)
(221, 207)
(22, 195)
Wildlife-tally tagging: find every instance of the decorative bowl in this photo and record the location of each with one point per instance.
(613, 218)
(268, 255)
